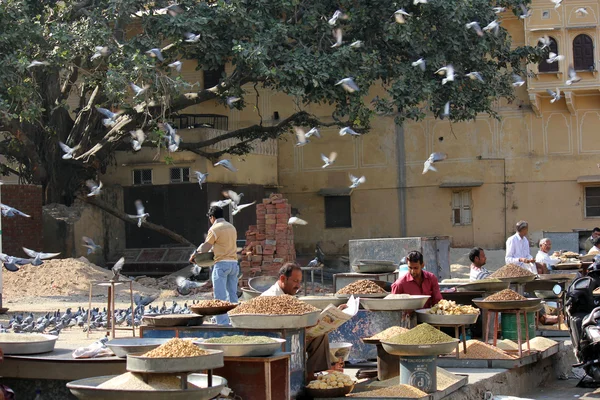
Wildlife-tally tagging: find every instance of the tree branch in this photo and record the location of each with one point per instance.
(70, 80)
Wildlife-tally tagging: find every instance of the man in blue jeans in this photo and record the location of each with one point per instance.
(222, 238)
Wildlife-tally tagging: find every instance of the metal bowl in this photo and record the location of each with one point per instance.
(204, 259)
(322, 302)
(42, 346)
(518, 279)
(122, 347)
(249, 294)
(245, 349)
(419, 350)
(212, 310)
(173, 320)
(340, 350)
(482, 286)
(528, 304)
(362, 295)
(87, 389)
(546, 294)
(139, 363)
(261, 283)
(440, 319)
(267, 321)
(408, 303)
(374, 266)
(558, 277)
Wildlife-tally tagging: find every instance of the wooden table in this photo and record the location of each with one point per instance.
(496, 323)
(457, 328)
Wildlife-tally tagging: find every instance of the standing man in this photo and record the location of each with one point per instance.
(418, 281)
(589, 241)
(543, 255)
(222, 238)
(517, 249)
(478, 259)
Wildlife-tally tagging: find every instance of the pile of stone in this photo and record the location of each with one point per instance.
(269, 243)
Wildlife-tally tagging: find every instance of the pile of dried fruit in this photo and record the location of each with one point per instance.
(421, 334)
(363, 286)
(511, 271)
(274, 305)
(397, 391)
(388, 333)
(331, 381)
(449, 307)
(176, 348)
(505, 295)
(212, 303)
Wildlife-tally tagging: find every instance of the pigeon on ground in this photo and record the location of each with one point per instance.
(68, 150)
(434, 157)
(8, 211)
(95, 188)
(116, 269)
(356, 181)
(10, 262)
(177, 65)
(296, 221)
(573, 77)
(226, 164)
(201, 177)
(141, 214)
(348, 84)
(137, 139)
(328, 160)
(90, 245)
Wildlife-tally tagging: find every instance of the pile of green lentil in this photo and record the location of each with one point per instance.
(421, 334)
(240, 339)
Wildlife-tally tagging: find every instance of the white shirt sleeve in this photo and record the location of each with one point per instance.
(511, 251)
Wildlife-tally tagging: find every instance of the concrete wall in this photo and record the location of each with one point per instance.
(17, 231)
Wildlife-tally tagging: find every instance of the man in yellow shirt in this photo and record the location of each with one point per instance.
(222, 238)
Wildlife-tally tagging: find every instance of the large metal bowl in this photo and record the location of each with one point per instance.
(518, 279)
(212, 310)
(322, 302)
(261, 283)
(249, 294)
(122, 347)
(374, 266)
(482, 286)
(204, 259)
(245, 349)
(267, 321)
(440, 319)
(525, 305)
(42, 346)
(547, 294)
(408, 303)
(87, 389)
(139, 363)
(362, 295)
(173, 320)
(419, 350)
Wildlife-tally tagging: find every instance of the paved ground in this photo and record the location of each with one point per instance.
(562, 390)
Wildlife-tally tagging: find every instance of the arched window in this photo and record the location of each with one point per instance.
(544, 65)
(583, 53)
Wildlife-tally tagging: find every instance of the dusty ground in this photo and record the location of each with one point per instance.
(459, 261)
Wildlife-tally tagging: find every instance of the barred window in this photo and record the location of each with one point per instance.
(179, 175)
(142, 177)
(592, 201)
(544, 66)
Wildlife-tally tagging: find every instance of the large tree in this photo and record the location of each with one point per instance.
(94, 49)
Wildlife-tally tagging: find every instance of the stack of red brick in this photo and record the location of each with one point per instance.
(269, 243)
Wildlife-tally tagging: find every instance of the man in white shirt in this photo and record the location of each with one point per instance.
(478, 259)
(595, 249)
(517, 248)
(543, 255)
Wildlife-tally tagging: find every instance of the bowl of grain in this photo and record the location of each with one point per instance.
(422, 340)
(385, 334)
(508, 299)
(513, 273)
(331, 385)
(274, 312)
(212, 307)
(362, 288)
(243, 346)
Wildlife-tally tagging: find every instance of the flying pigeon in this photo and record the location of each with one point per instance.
(475, 26)
(356, 181)
(196, 269)
(328, 160)
(10, 262)
(185, 286)
(399, 16)
(419, 63)
(141, 215)
(337, 34)
(301, 136)
(220, 203)
(498, 10)
(448, 70)
(177, 65)
(230, 100)
(582, 11)
(143, 300)
(68, 150)
(38, 256)
(111, 117)
(138, 90)
(494, 25)
(356, 44)
(348, 85)
(475, 75)
(348, 130)
(553, 57)
(545, 41)
(174, 10)
(573, 77)
(296, 221)
(90, 245)
(517, 80)
(557, 3)
(116, 269)
(446, 112)
(434, 157)
(240, 207)
(35, 63)
(233, 196)
(336, 15)
(99, 51)
(201, 177)
(137, 139)
(226, 164)
(313, 132)
(555, 95)
(155, 53)
(525, 12)
(8, 211)
(173, 139)
(95, 189)
(191, 38)
(415, 2)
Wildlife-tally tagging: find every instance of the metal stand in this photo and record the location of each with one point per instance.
(312, 277)
(495, 334)
(457, 329)
(110, 309)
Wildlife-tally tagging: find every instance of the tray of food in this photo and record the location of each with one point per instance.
(204, 259)
(131, 386)
(212, 307)
(321, 302)
(274, 312)
(331, 385)
(448, 312)
(409, 302)
(558, 276)
(483, 285)
(173, 320)
(243, 346)
(513, 273)
(508, 300)
(363, 288)
(374, 266)
(123, 346)
(27, 343)
(176, 355)
(567, 266)
(422, 340)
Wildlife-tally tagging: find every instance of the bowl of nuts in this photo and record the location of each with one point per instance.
(212, 307)
(334, 384)
(274, 312)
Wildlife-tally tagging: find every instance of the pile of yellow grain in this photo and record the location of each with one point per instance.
(482, 351)
(539, 343)
(388, 333)
(132, 381)
(402, 391)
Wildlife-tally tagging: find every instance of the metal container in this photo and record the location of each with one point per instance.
(420, 349)
(138, 363)
(567, 266)
(212, 310)
(546, 294)
(267, 321)
(528, 304)
(122, 347)
(173, 320)
(322, 302)
(261, 283)
(340, 350)
(482, 286)
(87, 389)
(559, 277)
(374, 266)
(245, 349)
(38, 347)
(420, 372)
(440, 319)
(249, 294)
(518, 279)
(362, 295)
(408, 303)
(204, 259)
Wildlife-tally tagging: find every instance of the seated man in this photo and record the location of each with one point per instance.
(478, 259)
(543, 255)
(588, 242)
(418, 281)
(317, 349)
(595, 249)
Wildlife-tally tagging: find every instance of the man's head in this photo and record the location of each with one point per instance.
(290, 278)
(214, 213)
(545, 245)
(596, 232)
(477, 257)
(596, 241)
(415, 263)
(522, 228)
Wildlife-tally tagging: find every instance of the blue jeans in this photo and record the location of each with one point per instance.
(225, 284)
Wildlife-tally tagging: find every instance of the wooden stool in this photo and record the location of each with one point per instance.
(495, 334)
(457, 329)
(110, 309)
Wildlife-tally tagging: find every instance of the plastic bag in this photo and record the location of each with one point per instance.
(95, 350)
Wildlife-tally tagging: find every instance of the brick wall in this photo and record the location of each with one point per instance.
(17, 231)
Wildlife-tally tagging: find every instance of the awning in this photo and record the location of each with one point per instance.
(461, 184)
(588, 179)
(343, 191)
